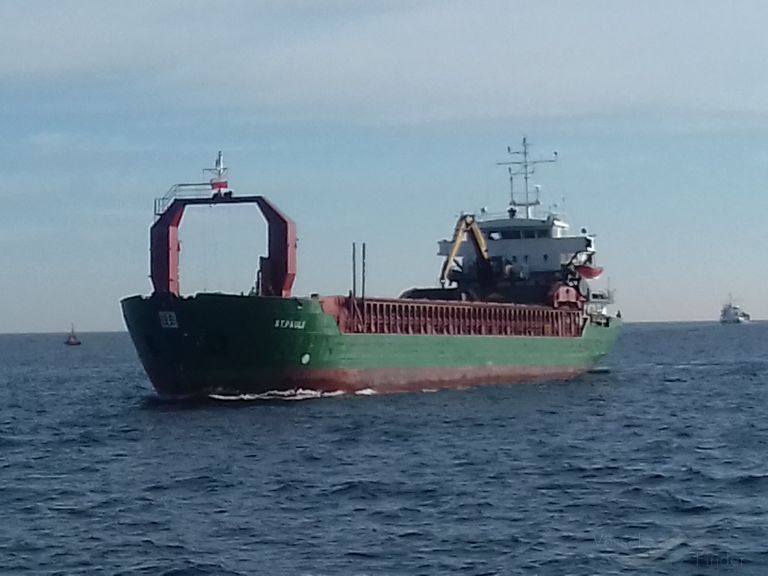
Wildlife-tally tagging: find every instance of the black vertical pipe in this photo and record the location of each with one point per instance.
(363, 287)
(354, 270)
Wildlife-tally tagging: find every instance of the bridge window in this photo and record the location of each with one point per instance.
(529, 234)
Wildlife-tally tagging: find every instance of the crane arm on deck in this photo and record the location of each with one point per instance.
(466, 225)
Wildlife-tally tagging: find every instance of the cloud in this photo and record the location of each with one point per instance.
(395, 61)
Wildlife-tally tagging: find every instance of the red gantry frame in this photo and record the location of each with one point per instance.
(278, 269)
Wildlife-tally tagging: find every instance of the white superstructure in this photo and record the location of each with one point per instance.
(529, 244)
(522, 241)
(733, 314)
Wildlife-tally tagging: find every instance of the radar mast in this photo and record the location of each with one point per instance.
(527, 168)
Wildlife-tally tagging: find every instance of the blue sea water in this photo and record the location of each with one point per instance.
(659, 466)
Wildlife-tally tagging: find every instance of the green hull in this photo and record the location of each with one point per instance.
(228, 345)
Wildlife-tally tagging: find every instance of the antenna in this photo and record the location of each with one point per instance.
(527, 168)
(511, 209)
(219, 171)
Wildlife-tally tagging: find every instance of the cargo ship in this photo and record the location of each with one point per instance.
(513, 304)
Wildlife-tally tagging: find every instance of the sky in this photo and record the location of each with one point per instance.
(378, 121)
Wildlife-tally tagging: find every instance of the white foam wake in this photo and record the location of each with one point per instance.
(294, 394)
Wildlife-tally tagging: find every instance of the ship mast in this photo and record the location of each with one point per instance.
(219, 171)
(526, 167)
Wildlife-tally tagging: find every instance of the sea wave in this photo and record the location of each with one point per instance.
(627, 475)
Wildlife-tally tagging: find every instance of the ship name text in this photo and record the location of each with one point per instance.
(290, 324)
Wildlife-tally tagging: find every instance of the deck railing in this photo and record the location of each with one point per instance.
(383, 316)
(185, 190)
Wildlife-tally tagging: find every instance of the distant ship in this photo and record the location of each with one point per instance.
(733, 314)
(513, 305)
(72, 338)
